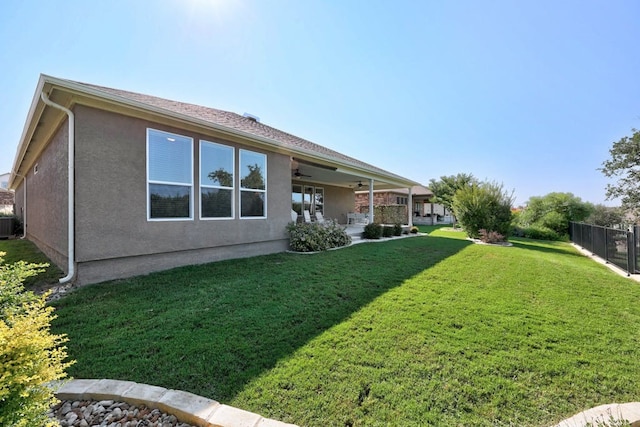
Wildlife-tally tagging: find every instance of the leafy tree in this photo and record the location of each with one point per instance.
(446, 187)
(483, 206)
(554, 212)
(254, 179)
(624, 165)
(31, 356)
(605, 216)
(222, 177)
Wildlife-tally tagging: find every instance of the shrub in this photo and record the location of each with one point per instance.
(397, 229)
(414, 230)
(31, 356)
(537, 232)
(372, 231)
(491, 236)
(483, 206)
(315, 237)
(387, 231)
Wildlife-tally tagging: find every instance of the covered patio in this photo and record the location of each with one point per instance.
(328, 186)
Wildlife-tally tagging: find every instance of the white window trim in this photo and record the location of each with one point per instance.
(190, 185)
(241, 188)
(233, 189)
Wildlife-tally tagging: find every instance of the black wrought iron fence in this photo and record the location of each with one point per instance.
(619, 247)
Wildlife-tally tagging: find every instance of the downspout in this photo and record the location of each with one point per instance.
(71, 269)
(24, 205)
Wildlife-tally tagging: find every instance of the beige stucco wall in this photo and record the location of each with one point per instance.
(113, 236)
(46, 213)
(338, 202)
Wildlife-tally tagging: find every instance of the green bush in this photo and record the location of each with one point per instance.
(397, 229)
(387, 231)
(483, 206)
(316, 237)
(31, 356)
(372, 231)
(537, 232)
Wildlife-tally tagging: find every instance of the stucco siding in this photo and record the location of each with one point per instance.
(46, 215)
(339, 201)
(111, 196)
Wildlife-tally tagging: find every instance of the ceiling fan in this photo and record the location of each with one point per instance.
(359, 185)
(299, 174)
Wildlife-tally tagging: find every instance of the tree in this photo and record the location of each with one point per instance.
(605, 216)
(554, 212)
(223, 177)
(624, 165)
(483, 206)
(446, 187)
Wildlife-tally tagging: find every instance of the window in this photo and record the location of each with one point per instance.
(169, 176)
(253, 184)
(216, 180)
(296, 199)
(311, 199)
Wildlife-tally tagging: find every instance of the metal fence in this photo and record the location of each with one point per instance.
(619, 247)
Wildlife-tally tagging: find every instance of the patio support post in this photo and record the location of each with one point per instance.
(410, 208)
(371, 201)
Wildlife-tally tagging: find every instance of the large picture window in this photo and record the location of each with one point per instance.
(253, 184)
(216, 180)
(169, 176)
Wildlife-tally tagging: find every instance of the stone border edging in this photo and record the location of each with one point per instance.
(603, 414)
(187, 407)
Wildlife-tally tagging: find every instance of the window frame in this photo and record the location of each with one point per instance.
(159, 182)
(220, 187)
(242, 189)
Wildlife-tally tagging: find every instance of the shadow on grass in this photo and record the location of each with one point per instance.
(553, 247)
(211, 329)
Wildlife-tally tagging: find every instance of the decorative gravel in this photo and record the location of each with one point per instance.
(107, 413)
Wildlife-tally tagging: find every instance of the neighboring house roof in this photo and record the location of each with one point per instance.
(6, 197)
(68, 92)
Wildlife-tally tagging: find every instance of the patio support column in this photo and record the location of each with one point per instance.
(371, 201)
(410, 208)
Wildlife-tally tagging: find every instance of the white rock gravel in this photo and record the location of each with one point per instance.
(107, 413)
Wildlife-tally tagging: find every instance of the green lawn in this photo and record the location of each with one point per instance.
(24, 250)
(419, 331)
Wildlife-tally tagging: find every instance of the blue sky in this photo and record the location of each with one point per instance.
(531, 94)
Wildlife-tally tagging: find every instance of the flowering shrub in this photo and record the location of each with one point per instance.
(491, 236)
(31, 356)
(414, 230)
(315, 237)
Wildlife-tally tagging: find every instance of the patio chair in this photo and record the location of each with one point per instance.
(307, 216)
(319, 217)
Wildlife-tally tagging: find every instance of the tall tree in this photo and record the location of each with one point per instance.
(446, 187)
(624, 165)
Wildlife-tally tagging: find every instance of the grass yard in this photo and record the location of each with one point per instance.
(24, 250)
(419, 331)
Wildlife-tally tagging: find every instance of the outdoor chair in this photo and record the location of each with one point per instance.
(307, 216)
(294, 216)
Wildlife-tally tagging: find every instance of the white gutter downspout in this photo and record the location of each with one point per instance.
(71, 270)
(24, 205)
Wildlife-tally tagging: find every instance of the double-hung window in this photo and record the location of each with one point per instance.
(216, 180)
(253, 184)
(169, 176)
